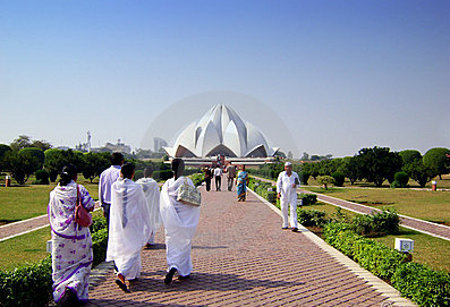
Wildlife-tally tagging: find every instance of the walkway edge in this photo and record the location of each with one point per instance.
(394, 295)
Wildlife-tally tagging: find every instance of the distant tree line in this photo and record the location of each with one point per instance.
(25, 157)
(374, 165)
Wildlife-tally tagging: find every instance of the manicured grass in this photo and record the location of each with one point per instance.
(427, 205)
(23, 202)
(427, 249)
(28, 248)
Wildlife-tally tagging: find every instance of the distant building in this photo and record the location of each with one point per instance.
(119, 147)
(158, 144)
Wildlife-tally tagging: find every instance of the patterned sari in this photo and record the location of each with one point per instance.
(71, 244)
(242, 179)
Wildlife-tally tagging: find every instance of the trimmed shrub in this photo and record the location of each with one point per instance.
(376, 224)
(401, 179)
(339, 179)
(311, 217)
(308, 199)
(197, 179)
(138, 174)
(423, 285)
(373, 256)
(162, 175)
(42, 177)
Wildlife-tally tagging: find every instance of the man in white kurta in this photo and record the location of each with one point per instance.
(287, 183)
(129, 226)
(151, 191)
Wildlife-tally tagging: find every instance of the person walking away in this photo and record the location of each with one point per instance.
(71, 244)
(180, 222)
(151, 192)
(208, 176)
(287, 184)
(130, 227)
(241, 184)
(231, 175)
(218, 177)
(107, 178)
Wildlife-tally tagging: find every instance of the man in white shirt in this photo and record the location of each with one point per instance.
(218, 177)
(287, 184)
(107, 178)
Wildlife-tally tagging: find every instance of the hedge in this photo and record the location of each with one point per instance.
(415, 281)
(31, 285)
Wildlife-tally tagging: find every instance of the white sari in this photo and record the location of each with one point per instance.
(180, 222)
(71, 244)
(151, 192)
(129, 227)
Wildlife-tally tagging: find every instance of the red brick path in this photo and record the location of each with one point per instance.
(242, 258)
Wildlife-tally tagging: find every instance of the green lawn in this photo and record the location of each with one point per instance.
(427, 205)
(23, 202)
(28, 248)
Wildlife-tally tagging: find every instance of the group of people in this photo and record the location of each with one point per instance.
(234, 176)
(134, 212)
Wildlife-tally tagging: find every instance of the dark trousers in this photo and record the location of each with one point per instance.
(218, 182)
(106, 210)
(208, 184)
(230, 183)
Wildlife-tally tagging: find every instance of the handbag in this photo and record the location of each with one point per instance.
(189, 195)
(82, 216)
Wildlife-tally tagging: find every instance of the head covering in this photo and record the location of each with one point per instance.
(287, 164)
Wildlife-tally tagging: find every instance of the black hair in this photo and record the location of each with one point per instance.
(127, 170)
(67, 174)
(116, 158)
(177, 167)
(148, 171)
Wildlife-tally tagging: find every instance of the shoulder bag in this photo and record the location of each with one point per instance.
(82, 216)
(189, 195)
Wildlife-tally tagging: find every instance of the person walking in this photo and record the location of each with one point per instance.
(218, 178)
(107, 178)
(180, 221)
(151, 192)
(130, 227)
(287, 184)
(208, 176)
(241, 184)
(231, 175)
(71, 244)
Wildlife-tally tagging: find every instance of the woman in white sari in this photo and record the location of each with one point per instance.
(180, 222)
(71, 244)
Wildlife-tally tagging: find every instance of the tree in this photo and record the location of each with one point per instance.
(35, 152)
(3, 150)
(438, 161)
(419, 172)
(377, 164)
(24, 141)
(325, 181)
(55, 159)
(43, 145)
(95, 164)
(21, 165)
(349, 168)
(410, 155)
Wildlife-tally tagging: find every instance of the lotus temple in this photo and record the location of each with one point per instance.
(222, 132)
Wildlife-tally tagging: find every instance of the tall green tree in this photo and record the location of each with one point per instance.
(438, 161)
(3, 150)
(55, 159)
(377, 164)
(410, 155)
(95, 163)
(21, 165)
(35, 152)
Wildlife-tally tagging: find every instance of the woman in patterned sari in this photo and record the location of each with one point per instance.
(241, 184)
(71, 244)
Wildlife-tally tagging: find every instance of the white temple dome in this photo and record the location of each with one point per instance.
(221, 131)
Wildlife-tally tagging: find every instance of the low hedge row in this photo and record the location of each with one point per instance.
(416, 281)
(31, 285)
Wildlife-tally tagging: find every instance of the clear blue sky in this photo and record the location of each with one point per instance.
(343, 74)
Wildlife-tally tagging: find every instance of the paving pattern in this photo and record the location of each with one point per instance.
(242, 258)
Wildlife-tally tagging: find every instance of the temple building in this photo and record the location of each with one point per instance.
(221, 132)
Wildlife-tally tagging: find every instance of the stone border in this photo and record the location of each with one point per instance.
(379, 285)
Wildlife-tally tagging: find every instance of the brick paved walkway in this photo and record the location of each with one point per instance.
(242, 257)
(433, 229)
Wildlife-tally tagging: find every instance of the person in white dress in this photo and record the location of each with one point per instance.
(180, 222)
(152, 194)
(129, 228)
(287, 184)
